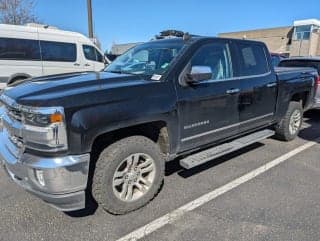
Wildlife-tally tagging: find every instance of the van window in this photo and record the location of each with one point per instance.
(91, 53)
(19, 49)
(253, 60)
(100, 57)
(58, 51)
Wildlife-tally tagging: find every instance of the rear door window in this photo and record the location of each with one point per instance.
(58, 51)
(19, 49)
(252, 60)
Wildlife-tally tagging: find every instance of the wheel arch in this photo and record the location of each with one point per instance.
(157, 131)
(17, 76)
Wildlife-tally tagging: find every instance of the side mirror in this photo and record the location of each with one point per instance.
(199, 73)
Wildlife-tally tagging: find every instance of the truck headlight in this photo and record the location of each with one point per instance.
(44, 129)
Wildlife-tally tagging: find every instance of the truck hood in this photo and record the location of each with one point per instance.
(71, 89)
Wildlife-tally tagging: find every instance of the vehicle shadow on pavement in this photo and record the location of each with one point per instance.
(311, 132)
(91, 208)
(174, 166)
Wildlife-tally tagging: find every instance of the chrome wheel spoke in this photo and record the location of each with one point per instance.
(145, 182)
(129, 162)
(141, 188)
(136, 158)
(145, 164)
(129, 192)
(147, 169)
(119, 174)
(118, 182)
(124, 191)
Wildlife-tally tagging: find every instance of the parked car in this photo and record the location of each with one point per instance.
(193, 98)
(276, 58)
(31, 51)
(313, 62)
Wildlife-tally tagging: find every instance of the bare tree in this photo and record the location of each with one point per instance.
(17, 12)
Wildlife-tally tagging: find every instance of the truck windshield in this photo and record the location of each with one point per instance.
(146, 59)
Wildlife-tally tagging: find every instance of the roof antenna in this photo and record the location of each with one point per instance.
(186, 37)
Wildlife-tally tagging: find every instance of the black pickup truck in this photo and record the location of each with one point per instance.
(110, 133)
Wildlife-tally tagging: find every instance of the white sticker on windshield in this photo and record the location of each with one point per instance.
(156, 77)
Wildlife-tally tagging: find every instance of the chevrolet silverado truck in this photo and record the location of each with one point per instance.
(110, 133)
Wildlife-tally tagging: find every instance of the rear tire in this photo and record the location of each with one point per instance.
(290, 125)
(128, 175)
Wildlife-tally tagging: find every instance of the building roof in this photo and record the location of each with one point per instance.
(306, 22)
(256, 30)
(118, 49)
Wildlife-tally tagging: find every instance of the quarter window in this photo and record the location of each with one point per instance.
(58, 51)
(19, 49)
(217, 57)
(253, 60)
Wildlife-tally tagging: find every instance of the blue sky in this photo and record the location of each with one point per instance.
(122, 21)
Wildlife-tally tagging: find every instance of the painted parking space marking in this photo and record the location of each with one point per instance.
(178, 213)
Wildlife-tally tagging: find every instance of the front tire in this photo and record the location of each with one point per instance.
(290, 125)
(128, 175)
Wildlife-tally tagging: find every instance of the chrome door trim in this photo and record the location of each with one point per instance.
(225, 127)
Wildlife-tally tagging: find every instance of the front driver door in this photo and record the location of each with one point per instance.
(208, 110)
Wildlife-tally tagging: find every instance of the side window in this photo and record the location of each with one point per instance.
(19, 49)
(253, 60)
(142, 56)
(89, 52)
(217, 57)
(58, 51)
(100, 57)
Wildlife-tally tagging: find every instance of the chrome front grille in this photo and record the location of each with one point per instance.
(12, 128)
(14, 113)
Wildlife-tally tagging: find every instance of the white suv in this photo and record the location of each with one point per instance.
(37, 50)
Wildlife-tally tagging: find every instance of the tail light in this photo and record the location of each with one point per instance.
(318, 81)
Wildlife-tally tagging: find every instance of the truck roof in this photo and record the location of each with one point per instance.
(199, 38)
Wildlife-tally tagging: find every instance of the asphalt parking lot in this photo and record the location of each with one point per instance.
(282, 203)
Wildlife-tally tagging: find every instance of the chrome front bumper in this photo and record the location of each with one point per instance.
(59, 181)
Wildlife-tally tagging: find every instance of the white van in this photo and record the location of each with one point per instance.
(36, 50)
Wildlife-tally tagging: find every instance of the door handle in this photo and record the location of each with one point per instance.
(270, 85)
(233, 91)
(76, 64)
(87, 65)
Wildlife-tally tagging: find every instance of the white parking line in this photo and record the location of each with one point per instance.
(178, 213)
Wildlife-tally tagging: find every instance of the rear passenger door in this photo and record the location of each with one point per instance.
(258, 91)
